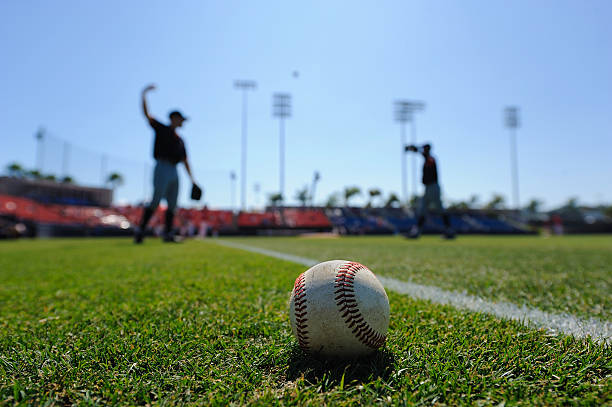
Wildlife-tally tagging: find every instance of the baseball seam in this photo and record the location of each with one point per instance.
(300, 311)
(347, 305)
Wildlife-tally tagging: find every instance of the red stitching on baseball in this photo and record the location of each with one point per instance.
(299, 302)
(347, 305)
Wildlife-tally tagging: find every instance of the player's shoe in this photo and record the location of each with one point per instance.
(415, 232)
(138, 236)
(449, 234)
(171, 238)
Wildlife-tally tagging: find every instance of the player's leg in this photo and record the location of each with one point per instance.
(421, 213)
(158, 192)
(449, 233)
(171, 198)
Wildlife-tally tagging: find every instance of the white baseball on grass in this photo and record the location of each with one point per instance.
(338, 308)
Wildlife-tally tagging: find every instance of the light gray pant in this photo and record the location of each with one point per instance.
(431, 197)
(165, 185)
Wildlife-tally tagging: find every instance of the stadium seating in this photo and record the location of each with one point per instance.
(257, 220)
(353, 221)
(305, 218)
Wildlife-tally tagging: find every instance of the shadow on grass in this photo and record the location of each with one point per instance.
(329, 372)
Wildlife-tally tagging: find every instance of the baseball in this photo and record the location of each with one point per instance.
(338, 308)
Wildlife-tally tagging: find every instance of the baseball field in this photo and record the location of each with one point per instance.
(102, 321)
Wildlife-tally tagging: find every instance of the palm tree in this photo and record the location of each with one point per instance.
(570, 210)
(115, 180)
(608, 211)
(350, 192)
(414, 201)
(464, 205)
(332, 200)
(373, 192)
(497, 202)
(275, 199)
(34, 174)
(459, 206)
(473, 202)
(534, 206)
(302, 195)
(392, 200)
(571, 203)
(15, 170)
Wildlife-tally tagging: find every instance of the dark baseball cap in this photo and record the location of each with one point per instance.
(178, 114)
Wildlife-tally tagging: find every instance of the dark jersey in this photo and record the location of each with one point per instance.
(168, 145)
(430, 172)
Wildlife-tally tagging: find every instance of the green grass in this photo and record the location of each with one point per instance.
(104, 321)
(563, 274)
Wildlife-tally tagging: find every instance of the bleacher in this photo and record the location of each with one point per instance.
(306, 218)
(255, 220)
(56, 219)
(354, 221)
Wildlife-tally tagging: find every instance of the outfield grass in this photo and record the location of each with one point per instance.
(104, 321)
(570, 274)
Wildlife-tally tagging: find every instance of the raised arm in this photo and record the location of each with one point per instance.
(145, 109)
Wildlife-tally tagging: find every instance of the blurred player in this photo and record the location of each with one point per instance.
(431, 197)
(168, 151)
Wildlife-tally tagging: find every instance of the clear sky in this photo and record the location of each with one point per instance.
(77, 68)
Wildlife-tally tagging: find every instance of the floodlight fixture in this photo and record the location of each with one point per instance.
(281, 105)
(245, 84)
(511, 117)
(405, 109)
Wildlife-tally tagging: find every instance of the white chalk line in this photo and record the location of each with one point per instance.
(600, 331)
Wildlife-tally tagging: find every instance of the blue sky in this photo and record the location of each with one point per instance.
(77, 68)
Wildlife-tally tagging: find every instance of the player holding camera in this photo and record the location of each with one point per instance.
(431, 197)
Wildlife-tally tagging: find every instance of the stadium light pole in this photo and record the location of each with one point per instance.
(404, 112)
(315, 179)
(233, 189)
(40, 135)
(244, 86)
(65, 158)
(511, 115)
(281, 108)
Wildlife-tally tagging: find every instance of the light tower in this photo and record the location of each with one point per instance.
(511, 121)
(245, 86)
(315, 179)
(40, 139)
(404, 112)
(281, 108)
(233, 190)
(65, 158)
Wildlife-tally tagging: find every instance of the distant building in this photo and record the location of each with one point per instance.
(56, 192)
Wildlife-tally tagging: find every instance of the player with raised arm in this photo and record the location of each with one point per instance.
(431, 197)
(169, 150)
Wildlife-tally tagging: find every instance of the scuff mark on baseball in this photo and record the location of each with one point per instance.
(338, 308)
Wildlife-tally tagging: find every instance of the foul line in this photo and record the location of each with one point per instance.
(599, 331)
